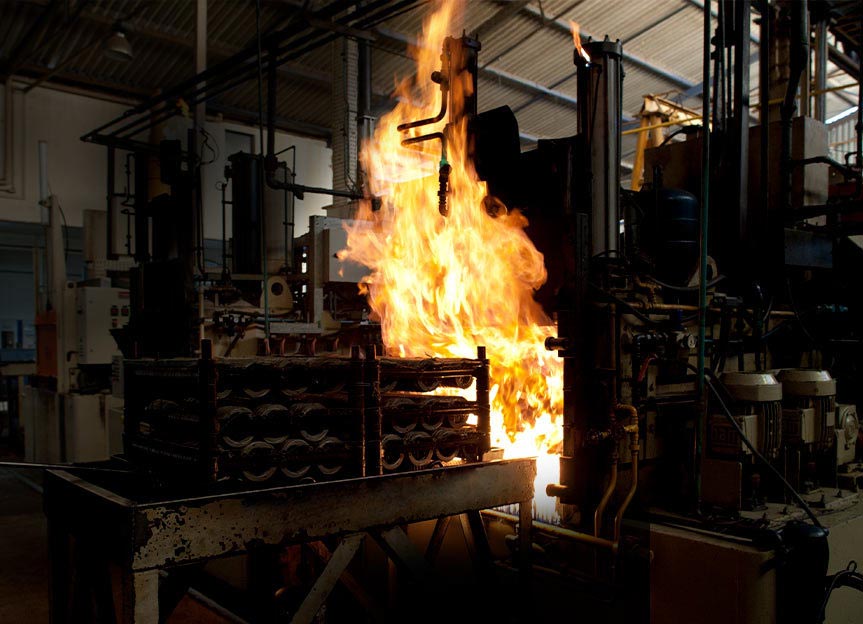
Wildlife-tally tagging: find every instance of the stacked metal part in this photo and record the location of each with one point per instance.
(425, 420)
(296, 418)
(758, 408)
(290, 418)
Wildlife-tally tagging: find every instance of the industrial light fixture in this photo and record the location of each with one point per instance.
(117, 47)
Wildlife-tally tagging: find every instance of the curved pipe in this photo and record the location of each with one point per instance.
(444, 89)
(632, 430)
(600, 509)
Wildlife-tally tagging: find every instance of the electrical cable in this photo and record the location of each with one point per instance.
(850, 571)
(730, 417)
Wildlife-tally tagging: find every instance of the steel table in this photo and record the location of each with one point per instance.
(143, 537)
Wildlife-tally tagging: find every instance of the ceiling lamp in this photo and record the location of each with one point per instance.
(117, 47)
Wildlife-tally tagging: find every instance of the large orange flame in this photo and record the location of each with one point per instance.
(443, 285)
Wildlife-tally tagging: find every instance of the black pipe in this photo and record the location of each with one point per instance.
(238, 69)
(112, 255)
(764, 108)
(859, 126)
(799, 53)
(220, 70)
(272, 85)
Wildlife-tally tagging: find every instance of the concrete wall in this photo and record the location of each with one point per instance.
(76, 170)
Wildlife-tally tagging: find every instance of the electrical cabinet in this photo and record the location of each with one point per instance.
(98, 311)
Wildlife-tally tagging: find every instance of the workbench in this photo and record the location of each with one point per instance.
(111, 527)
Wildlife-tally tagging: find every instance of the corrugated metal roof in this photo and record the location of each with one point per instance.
(531, 43)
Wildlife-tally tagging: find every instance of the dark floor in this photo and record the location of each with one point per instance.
(24, 557)
(23, 553)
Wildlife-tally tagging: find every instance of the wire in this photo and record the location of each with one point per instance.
(730, 417)
(206, 143)
(850, 571)
(710, 284)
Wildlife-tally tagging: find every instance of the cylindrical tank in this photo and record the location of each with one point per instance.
(255, 231)
(811, 388)
(759, 395)
(669, 232)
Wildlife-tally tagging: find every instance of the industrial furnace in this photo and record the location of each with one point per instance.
(685, 353)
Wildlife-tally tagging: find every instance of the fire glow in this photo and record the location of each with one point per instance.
(575, 29)
(443, 285)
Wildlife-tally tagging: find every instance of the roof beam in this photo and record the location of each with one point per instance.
(562, 27)
(491, 73)
(216, 49)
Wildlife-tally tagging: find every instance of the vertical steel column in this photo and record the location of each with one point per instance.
(209, 424)
(740, 125)
(821, 68)
(109, 204)
(356, 402)
(142, 199)
(482, 401)
(702, 269)
(372, 424)
(599, 110)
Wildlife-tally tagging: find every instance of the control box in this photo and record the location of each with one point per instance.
(98, 311)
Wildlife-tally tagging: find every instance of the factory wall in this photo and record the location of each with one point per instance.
(76, 170)
(77, 177)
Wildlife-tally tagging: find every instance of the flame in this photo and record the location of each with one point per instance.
(575, 29)
(443, 285)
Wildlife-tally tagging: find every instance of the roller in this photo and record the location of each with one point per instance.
(271, 422)
(420, 450)
(329, 445)
(393, 455)
(291, 449)
(254, 451)
(402, 413)
(235, 425)
(446, 444)
(312, 420)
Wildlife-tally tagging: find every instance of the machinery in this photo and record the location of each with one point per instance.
(703, 323)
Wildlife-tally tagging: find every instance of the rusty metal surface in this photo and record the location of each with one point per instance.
(164, 533)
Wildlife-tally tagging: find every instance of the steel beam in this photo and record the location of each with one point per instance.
(562, 27)
(150, 535)
(490, 73)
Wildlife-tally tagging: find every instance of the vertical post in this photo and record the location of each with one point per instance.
(109, 204)
(140, 597)
(702, 279)
(743, 229)
(372, 411)
(356, 400)
(525, 543)
(61, 575)
(821, 69)
(483, 408)
(208, 379)
(142, 198)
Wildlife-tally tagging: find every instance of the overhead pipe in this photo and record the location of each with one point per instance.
(271, 162)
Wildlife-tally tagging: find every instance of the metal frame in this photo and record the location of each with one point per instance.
(143, 538)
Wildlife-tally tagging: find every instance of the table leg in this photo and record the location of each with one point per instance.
(141, 597)
(61, 571)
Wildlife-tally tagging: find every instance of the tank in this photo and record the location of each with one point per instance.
(669, 233)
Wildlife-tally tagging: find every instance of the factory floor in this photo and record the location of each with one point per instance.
(24, 556)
